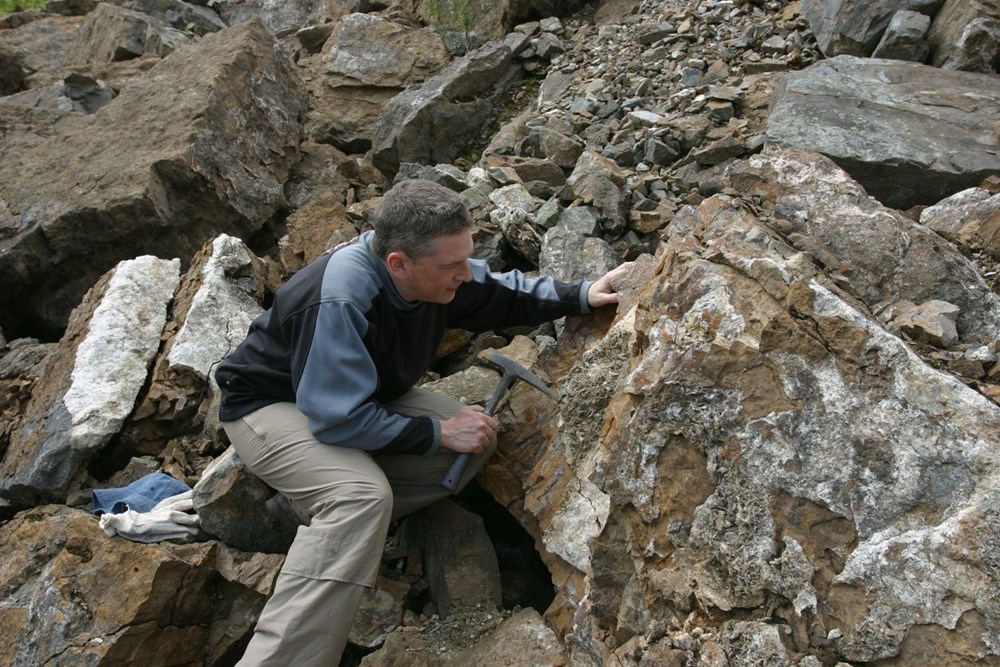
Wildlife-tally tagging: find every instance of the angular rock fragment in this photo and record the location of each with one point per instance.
(115, 33)
(905, 38)
(366, 62)
(970, 218)
(433, 122)
(930, 322)
(239, 509)
(965, 35)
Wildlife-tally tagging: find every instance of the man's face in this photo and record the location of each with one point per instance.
(437, 275)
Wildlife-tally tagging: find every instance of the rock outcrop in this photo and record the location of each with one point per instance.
(779, 449)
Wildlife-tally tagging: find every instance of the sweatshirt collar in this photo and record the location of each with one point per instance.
(395, 299)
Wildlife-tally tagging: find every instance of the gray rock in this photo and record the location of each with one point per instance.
(115, 33)
(239, 509)
(281, 18)
(177, 14)
(580, 219)
(931, 322)
(433, 122)
(597, 181)
(572, 257)
(853, 27)
(514, 196)
(559, 148)
(162, 166)
(970, 218)
(538, 169)
(914, 142)
(91, 387)
(471, 385)
(366, 62)
(905, 37)
(517, 229)
(459, 561)
(965, 35)
(718, 151)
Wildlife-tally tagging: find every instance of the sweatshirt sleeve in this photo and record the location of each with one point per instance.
(495, 300)
(337, 380)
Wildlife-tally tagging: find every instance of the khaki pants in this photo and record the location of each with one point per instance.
(351, 497)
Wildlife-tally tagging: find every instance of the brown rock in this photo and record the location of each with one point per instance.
(74, 595)
(162, 169)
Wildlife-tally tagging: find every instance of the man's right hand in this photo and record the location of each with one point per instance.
(469, 430)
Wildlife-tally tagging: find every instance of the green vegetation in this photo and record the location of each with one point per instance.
(10, 6)
(452, 15)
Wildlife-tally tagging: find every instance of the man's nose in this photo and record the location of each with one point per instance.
(465, 275)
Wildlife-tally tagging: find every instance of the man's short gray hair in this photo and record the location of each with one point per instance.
(414, 213)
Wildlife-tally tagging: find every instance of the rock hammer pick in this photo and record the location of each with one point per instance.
(512, 372)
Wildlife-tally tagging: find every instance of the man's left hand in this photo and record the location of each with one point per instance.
(602, 292)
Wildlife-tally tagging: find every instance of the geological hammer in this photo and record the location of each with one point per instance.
(512, 372)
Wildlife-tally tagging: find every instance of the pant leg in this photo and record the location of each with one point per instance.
(310, 613)
(416, 480)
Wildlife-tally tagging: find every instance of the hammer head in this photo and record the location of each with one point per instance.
(513, 371)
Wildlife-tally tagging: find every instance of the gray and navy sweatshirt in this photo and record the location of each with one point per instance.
(340, 342)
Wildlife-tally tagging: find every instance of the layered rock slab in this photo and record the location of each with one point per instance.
(909, 133)
(72, 595)
(164, 167)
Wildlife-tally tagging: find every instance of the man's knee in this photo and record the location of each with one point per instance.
(363, 499)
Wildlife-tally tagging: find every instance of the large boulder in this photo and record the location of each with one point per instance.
(744, 438)
(928, 135)
(218, 298)
(72, 595)
(365, 62)
(491, 18)
(115, 33)
(281, 18)
(91, 383)
(965, 35)
(185, 16)
(434, 122)
(202, 145)
(854, 27)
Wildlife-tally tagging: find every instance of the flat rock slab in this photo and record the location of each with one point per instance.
(201, 146)
(910, 134)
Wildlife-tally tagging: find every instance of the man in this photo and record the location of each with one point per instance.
(319, 401)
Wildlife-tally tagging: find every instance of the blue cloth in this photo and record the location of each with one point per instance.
(139, 496)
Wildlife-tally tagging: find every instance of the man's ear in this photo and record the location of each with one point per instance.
(396, 261)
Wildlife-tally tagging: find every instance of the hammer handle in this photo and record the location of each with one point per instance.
(461, 461)
(458, 466)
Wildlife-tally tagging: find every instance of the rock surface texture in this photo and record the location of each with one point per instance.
(780, 448)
